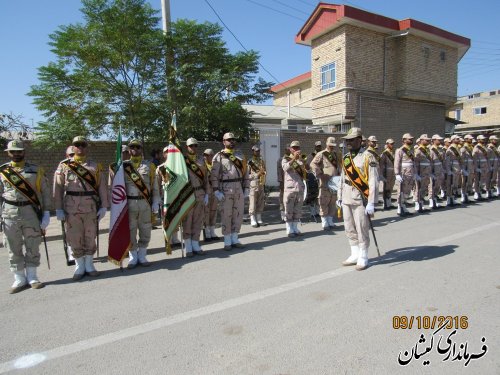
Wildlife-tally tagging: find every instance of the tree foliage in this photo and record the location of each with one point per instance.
(111, 71)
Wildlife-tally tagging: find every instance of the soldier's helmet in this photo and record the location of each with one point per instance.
(15, 145)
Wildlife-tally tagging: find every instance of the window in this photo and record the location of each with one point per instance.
(458, 114)
(442, 55)
(493, 93)
(478, 95)
(480, 110)
(470, 97)
(328, 76)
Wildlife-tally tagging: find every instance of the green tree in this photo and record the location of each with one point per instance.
(111, 71)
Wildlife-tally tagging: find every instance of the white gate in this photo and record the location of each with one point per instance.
(270, 151)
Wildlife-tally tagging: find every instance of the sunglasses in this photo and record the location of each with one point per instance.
(193, 146)
(80, 145)
(135, 147)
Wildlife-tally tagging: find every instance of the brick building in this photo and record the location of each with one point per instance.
(383, 75)
(477, 113)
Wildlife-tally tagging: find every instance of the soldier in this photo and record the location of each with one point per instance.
(293, 197)
(371, 147)
(257, 171)
(281, 182)
(81, 199)
(494, 161)
(143, 199)
(387, 175)
(468, 166)
(405, 172)
(325, 165)
(453, 169)
(25, 209)
(193, 222)
(423, 173)
(438, 171)
(480, 155)
(357, 196)
(309, 158)
(211, 208)
(230, 182)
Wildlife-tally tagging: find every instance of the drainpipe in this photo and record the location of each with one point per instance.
(288, 104)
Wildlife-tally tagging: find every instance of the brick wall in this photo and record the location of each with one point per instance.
(300, 95)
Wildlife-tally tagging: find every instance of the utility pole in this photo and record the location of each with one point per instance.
(166, 23)
(165, 13)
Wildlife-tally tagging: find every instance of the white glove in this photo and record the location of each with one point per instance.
(205, 200)
(155, 206)
(219, 195)
(45, 220)
(60, 215)
(101, 213)
(339, 203)
(246, 193)
(370, 209)
(399, 178)
(418, 178)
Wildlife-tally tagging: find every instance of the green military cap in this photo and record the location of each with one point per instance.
(79, 139)
(15, 145)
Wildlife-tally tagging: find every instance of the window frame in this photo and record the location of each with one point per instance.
(325, 71)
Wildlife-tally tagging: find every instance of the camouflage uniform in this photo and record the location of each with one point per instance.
(438, 173)
(423, 169)
(454, 171)
(386, 165)
(21, 223)
(356, 221)
(404, 167)
(480, 156)
(468, 170)
(293, 196)
(257, 176)
(80, 204)
(231, 184)
(211, 207)
(494, 161)
(140, 212)
(324, 166)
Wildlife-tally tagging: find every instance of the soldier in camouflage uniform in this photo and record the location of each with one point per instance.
(480, 155)
(257, 175)
(453, 168)
(81, 199)
(387, 175)
(405, 172)
(295, 175)
(423, 173)
(438, 171)
(494, 161)
(231, 185)
(26, 201)
(143, 200)
(325, 165)
(281, 182)
(193, 222)
(211, 208)
(468, 167)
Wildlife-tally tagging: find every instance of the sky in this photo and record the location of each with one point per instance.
(266, 26)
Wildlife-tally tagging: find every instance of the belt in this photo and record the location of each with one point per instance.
(232, 180)
(425, 164)
(437, 163)
(18, 204)
(81, 193)
(198, 188)
(407, 164)
(137, 197)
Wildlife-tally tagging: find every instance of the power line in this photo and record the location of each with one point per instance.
(275, 10)
(291, 7)
(241, 44)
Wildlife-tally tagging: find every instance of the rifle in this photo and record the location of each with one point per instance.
(69, 262)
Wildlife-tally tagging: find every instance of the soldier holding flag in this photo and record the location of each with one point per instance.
(26, 201)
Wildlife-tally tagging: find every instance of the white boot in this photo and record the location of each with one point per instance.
(208, 235)
(141, 253)
(259, 219)
(324, 223)
(253, 222)
(417, 207)
(20, 282)
(362, 260)
(33, 279)
(476, 196)
(196, 248)
(227, 242)
(188, 246)
(353, 259)
(329, 219)
(289, 229)
(463, 198)
(431, 203)
(283, 216)
(89, 266)
(79, 268)
(212, 233)
(132, 259)
(296, 228)
(400, 209)
(235, 242)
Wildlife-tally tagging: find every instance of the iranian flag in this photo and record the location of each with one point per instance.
(119, 233)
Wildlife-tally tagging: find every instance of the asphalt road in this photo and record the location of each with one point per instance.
(279, 306)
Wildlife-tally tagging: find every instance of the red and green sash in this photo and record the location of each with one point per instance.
(22, 186)
(355, 176)
(136, 178)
